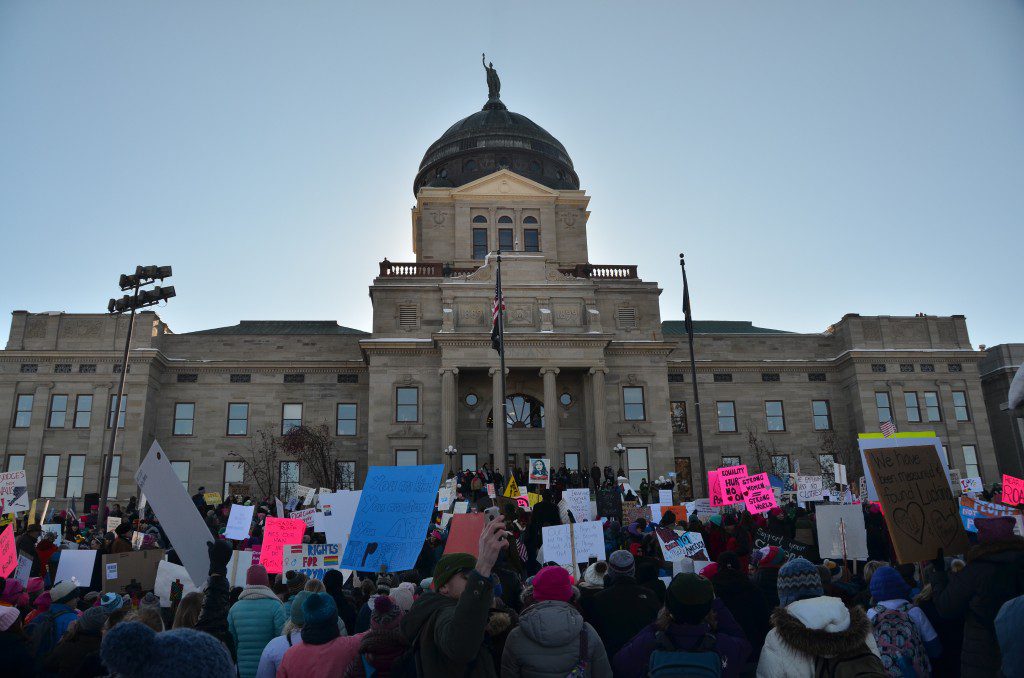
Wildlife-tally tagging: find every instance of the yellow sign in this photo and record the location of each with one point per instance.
(212, 498)
(534, 498)
(512, 489)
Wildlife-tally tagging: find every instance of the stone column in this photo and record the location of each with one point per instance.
(498, 419)
(600, 426)
(550, 414)
(449, 406)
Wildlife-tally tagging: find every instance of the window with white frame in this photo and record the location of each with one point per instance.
(931, 406)
(731, 461)
(821, 410)
(234, 472)
(181, 469)
(83, 411)
(48, 477)
(115, 475)
(572, 461)
(346, 475)
(884, 407)
(406, 457)
(58, 411)
(238, 419)
(469, 462)
(346, 425)
(291, 417)
(636, 461)
(23, 412)
(288, 479)
(407, 404)
(960, 408)
(971, 466)
(633, 403)
(775, 417)
(120, 415)
(15, 462)
(726, 416)
(184, 418)
(913, 407)
(76, 475)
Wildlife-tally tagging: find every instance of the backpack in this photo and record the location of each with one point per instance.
(668, 662)
(42, 633)
(899, 643)
(861, 663)
(580, 670)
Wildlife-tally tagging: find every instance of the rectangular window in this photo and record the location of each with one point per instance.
(346, 475)
(821, 410)
(76, 475)
(678, 413)
(505, 239)
(48, 477)
(15, 462)
(633, 403)
(726, 416)
(883, 406)
(181, 469)
(58, 411)
(913, 406)
(291, 417)
(531, 240)
(827, 464)
(636, 461)
(407, 403)
(238, 420)
(775, 417)
(960, 409)
(347, 419)
(120, 415)
(572, 461)
(83, 411)
(406, 457)
(971, 462)
(115, 474)
(23, 415)
(931, 406)
(234, 472)
(184, 418)
(780, 465)
(288, 479)
(469, 462)
(479, 243)
(731, 461)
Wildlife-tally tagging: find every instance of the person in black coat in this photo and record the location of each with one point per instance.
(744, 599)
(334, 582)
(624, 607)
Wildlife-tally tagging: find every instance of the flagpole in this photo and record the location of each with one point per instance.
(688, 322)
(501, 361)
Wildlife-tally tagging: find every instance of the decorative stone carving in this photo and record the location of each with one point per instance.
(438, 219)
(35, 327)
(519, 314)
(567, 315)
(81, 328)
(872, 330)
(568, 218)
(472, 315)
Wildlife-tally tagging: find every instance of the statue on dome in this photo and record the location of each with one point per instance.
(493, 83)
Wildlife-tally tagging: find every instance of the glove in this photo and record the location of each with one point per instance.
(220, 555)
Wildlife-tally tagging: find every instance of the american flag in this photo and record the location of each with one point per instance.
(888, 429)
(521, 547)
(497, 340)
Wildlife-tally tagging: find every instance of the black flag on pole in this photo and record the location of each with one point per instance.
(687, 320)
(497, 335)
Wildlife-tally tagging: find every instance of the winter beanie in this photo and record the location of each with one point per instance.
(296, 581)
(773, 557)
(689, 598)
(111, 602)
(622, 563)
(404, 595)
(799, 579)
(133, 650)
(552, 583)
(594, 575)
(256, 575)
(994, 529)
(386, 614)
(887, 584)
(92, 620)
(450, 565)
(298, 619)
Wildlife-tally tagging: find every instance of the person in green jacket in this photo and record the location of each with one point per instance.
(447, 624)
(254, 620)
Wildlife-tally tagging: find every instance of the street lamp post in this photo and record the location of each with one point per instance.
(139, 298)
(619, 449)
(450, 452)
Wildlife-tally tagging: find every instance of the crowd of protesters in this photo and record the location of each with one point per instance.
(742, 608)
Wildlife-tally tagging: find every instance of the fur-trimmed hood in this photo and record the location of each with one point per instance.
(822, 626)
(993, 550)
(256, 592)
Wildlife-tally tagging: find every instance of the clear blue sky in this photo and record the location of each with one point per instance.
(811, 158)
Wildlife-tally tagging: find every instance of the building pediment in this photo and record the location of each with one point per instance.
(503, 184)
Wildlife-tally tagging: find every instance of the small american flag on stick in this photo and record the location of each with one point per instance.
(888, 429)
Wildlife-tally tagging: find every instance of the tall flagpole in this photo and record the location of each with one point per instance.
(501, 361)
(688, 323)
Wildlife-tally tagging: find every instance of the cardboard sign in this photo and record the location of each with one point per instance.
(178, 516)
(912, 439)
(725, 486)
(239, 489)
(757, 493)
(392, 519)
(792, 547)
(809, 488)
(446, 495)
(123, 569)
(609, 504)
(8, 552)
(971, 509)
(77, 565)
(540, 472)
(839, 522)
(239, 522)
(1013, 490)
(920, 512)
(168, 573)
(313, 560)
(577, 502)
(461, 507)
(278, 533)
(212, 498)
(632, 512)
(13, 492)
(972, 485)
(305, 515)
(588, 539)
(464, 533)
(665, 497)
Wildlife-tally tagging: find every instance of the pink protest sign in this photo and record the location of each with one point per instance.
(729, 478)
(1013, 490)
(8, 552)
(714, 489)
(278, 533)
(757, 492)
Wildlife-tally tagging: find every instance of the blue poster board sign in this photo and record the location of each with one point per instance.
(391, 520)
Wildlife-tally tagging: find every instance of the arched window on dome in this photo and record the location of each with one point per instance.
(531, 235)
(521, 411)
(469, 166)
(535, 168)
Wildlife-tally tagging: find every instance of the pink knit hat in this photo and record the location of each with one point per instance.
(256, 575)
(552, 583)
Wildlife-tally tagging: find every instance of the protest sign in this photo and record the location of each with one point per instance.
(702, 509)
(665, 497)
(972, 485)
(972, 509)
(540, 472)
(918, 505)
(839, 470)
(955, 476)
(792, 547)
(279, 506)
(239, 521)
(167, 573)
(53, 528)
(490, 490)
(278, 533)
(130, 567)
(178, 516)
(587, 538)
(512, 489)
(239, 489)
(609, 504)
(77, 566)
(142, 504)
(1013, 490)
(678, 546)
(809, 488)
(238, 566)
(461, 507)
(577, 501)
(313, 560)
(137, 539)
(866, 442)
(727, 488)
(714, 489)
(693, 545)
(8, 552)
(446, 495)
(305, 515)
(24, 569)
(839, 522)
(339, 509)
(292, 503)
(212, 498)
(464, 533)
(113, 522)
(13, 492)
(631, 512)
(392, 518)
(652, 513)
(678, 512)
(757, 493)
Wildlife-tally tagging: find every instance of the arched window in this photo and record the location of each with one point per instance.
(521, 411)
(535, 167)
(505, 219)
(530, 220)
(531, 235)
(469, 166)
(479, 219)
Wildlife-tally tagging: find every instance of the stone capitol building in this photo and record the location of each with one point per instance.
(593, 372)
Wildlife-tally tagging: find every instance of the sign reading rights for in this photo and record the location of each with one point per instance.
(13, 492)
(312, 560)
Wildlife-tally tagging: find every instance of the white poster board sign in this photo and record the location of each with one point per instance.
(588, 539)
(578, 502)
(239, 521)
(339, 510)
(665, 497)
(836, 521)
(166, 574)
(809, 488)
(238, 567)
(77, 565)
(13, 492)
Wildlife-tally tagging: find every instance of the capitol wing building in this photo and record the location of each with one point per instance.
(593, 373)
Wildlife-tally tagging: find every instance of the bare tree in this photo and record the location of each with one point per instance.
(313, 448)
(762, 449)
(844, 451)
(259, 463)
